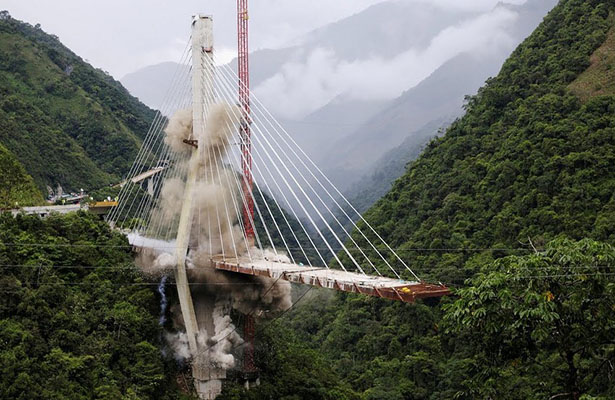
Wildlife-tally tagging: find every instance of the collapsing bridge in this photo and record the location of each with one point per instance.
(378, 286)
(204, 218)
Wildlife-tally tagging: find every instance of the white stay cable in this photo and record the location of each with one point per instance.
(238, 208)
(173, 165)
(300, 204)
(145, 144)
(282, 212)
(258, 170)
(162, 150)
(207, 105)
(245, 205)
(163, 160)
(256, 153)
(263, 222)
(156, 139)
(161, 221)
(230, 98)
(281, 162)
(176, 165)
(279, 129)
(290, 161)
(221, 236)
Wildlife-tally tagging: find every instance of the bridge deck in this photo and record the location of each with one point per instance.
(389, 288)
(142, 176)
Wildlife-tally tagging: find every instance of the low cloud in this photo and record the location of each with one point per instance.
(314, 79)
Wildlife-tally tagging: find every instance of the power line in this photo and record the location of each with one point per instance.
(119, 284)
(170, 247)
(138, 269)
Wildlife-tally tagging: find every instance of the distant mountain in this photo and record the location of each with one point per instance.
(376, 183)
(346, 134)
(381, 31)
(532, 159)
(385, 29)
(65, 121)
(318, 131)
(151, 84)
(439, 96)
(531, 156)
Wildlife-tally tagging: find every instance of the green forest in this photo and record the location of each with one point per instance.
(77, 319)
(18, 186)
(513, 208)
(65, 121)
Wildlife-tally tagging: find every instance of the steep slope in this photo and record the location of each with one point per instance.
(527, 163)
(16, 186)
(77, 318)
(376, 183)
(383, 30)
(323, 128)
(65, 121)
(529, 159)
(150, 84)
(599, 78)
(328, 77)
(440, 95)
(379, 34)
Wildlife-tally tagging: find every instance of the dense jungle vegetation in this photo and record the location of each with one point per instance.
(17, 186)
(77, 320)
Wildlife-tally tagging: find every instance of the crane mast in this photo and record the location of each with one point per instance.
(243, 73)
(244, 102)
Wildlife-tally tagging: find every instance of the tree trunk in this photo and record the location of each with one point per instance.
(572, 376)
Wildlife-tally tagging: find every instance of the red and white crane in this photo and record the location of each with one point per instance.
(243, 72)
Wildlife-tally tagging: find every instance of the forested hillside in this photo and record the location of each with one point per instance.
(16, 186)
(513, 207)
(65, 121)
(77, 319)
(532, 161)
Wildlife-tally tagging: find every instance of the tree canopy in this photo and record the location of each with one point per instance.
(549, 315)
(77, 319)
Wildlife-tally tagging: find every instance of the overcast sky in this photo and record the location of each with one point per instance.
(121, 36)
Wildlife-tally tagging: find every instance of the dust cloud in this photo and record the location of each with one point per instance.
(215, 230)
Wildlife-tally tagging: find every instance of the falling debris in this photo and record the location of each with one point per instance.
(179, 129)
(163, 301)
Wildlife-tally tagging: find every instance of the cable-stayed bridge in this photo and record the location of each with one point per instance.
(231, 191)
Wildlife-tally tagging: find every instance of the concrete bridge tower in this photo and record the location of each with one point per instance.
(199, 325)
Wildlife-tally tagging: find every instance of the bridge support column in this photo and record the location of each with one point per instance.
(207, 381)
(208, 377)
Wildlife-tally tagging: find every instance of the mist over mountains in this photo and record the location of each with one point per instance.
(358, 88)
